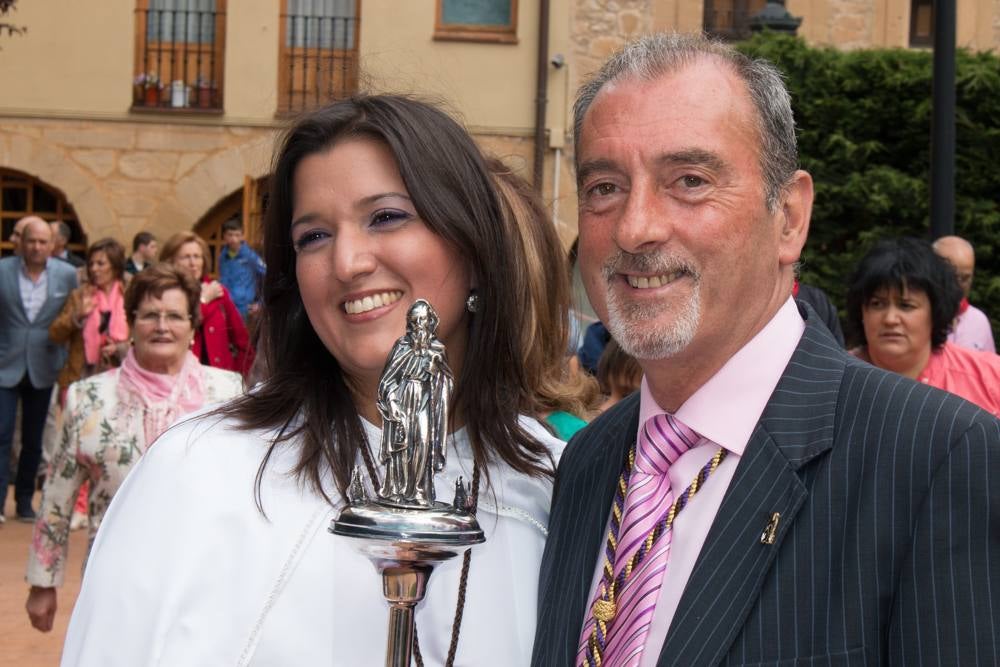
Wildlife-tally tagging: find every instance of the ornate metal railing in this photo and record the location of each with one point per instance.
(179, 55)
(319, 54)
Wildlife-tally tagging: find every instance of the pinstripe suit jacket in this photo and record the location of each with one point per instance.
(888, 547)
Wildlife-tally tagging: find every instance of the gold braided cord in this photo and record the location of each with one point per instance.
(671, 513)
(694, 486)
(652, 536)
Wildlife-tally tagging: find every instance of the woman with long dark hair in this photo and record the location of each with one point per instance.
(217, 544)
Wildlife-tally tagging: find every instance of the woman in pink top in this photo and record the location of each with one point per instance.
(900, 308)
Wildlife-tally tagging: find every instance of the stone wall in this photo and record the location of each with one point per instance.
(122, 177)
(599, 27)
(996, 23)
(851, 23)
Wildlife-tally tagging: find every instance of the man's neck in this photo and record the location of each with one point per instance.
(673, 380)
(138, 260)
(34, 271)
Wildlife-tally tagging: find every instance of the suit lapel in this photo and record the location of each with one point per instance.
(735, 561)
(587, 478)
(13, 287)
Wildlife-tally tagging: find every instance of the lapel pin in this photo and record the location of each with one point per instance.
(771, 530)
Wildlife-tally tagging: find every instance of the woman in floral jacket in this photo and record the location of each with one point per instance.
(111, 418)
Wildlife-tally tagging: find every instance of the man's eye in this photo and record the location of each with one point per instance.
(692, 181)
(603, 189)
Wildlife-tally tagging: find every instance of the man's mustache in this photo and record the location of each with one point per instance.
(648, 262)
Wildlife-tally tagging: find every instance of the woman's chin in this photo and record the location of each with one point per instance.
(159, 354)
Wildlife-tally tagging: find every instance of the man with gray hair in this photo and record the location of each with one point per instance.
(972, 327)
(765, 498)
(61, 235)
(33, 289)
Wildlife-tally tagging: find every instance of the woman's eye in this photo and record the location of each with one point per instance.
(388, 217)
(307, 239)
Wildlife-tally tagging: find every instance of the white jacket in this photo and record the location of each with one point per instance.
(186, 571)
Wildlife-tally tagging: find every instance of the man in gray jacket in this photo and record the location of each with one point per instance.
(33, 288)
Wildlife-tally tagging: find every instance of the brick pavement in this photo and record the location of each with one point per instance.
(22, 645)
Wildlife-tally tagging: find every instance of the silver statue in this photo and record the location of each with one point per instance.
(413, 396)
(404, 531)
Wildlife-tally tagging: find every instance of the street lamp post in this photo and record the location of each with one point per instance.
(775, 17)
(943, 122)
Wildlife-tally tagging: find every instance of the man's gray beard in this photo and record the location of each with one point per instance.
(631, 324)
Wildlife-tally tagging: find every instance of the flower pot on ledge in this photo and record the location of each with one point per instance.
(151, 96)
(205, 96)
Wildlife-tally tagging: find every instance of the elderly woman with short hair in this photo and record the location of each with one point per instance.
(111, 419)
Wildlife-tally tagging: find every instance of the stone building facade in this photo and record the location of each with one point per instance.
(72, 122)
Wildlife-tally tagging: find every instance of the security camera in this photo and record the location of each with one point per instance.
(558, 60)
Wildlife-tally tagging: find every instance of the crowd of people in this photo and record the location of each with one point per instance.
(729, 463)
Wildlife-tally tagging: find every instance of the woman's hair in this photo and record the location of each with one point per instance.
(115, 253)
(544, 298)
(910, 264)
(305, 394)
(618, 373)
(173, 245)
(154, 281)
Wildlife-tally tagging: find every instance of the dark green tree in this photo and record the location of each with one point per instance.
(864, 121)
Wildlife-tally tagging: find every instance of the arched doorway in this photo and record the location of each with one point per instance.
(247, 203)
(22, 194)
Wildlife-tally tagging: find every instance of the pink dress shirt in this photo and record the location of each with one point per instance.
(972, 330)
(724, 411)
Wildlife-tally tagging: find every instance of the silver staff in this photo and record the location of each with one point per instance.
(405, 532)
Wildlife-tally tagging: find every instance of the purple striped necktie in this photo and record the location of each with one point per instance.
(661, 443)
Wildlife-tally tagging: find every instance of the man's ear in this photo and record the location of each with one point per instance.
(796, 211)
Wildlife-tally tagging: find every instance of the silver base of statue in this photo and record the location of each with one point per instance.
(405, 544)
(404, 531)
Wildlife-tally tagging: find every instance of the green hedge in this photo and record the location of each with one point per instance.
(864, 120)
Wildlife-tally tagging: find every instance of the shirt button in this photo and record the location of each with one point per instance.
(211, 330)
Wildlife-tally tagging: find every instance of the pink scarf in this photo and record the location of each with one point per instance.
(162, 398)
(108, 302)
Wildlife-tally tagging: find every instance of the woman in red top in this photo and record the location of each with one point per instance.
(221, 340)
(900, 307)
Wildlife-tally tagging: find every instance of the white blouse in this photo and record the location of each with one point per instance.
(187, 571)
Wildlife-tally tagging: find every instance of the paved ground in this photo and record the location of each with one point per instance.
(22, 645)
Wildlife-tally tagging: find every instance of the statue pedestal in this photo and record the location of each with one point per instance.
(405, 544)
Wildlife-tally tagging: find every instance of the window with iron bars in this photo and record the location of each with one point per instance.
(318, 58)
(730, 19)
(179, 47)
